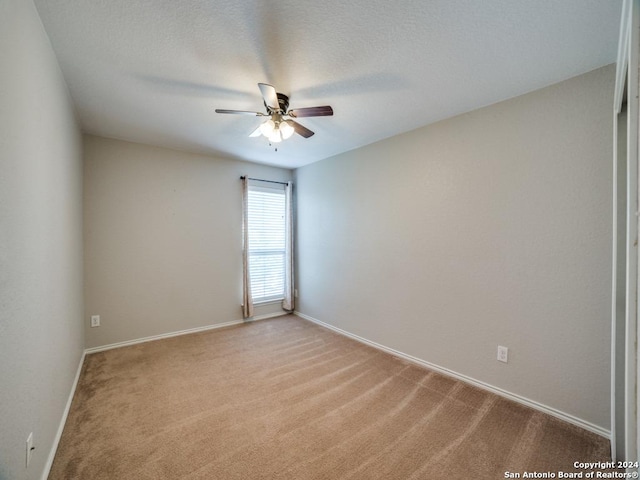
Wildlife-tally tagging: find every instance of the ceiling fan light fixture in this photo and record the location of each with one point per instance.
(286, 129)
(276, 128)
(267, 128)
(275, 136)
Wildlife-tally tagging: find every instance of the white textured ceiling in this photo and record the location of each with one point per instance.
(153, 71)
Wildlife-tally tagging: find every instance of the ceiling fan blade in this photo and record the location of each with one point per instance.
(300, 130)
(240, 112)
(325, 111)
(270, 96)
(256, 133)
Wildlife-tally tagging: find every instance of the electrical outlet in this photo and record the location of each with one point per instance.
(95, 321)
(295, 293)
(30, 447)
(503, 354)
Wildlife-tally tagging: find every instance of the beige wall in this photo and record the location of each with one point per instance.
(491, 228)
(41, 331)
(162, 239)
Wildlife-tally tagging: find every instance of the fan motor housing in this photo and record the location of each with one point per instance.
(283, 102)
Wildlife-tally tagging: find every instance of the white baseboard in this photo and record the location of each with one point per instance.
(152, 338)
(485, 386)
(63, 420)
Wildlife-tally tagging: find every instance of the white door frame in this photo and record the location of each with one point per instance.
(627, 75)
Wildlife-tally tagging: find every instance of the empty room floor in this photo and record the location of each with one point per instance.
(287, 399)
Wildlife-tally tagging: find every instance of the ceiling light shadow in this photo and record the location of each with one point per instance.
(361, 84)
(192, 89)
(265, 31)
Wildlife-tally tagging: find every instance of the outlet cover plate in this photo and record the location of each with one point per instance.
(95, 321)
(503, 354)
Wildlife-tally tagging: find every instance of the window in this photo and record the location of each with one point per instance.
(267, 242)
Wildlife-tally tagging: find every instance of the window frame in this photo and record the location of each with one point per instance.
(254, 253)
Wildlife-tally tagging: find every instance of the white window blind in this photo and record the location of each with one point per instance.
(266, 223)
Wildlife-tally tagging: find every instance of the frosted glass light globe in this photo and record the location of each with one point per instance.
(267, 128)
(275, 136)
(286, 129)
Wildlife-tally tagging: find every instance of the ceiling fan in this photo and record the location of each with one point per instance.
(280, 124)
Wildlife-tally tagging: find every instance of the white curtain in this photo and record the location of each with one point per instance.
(288, 302)
(247, 300)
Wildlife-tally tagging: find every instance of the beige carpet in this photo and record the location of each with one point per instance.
(286, 399)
